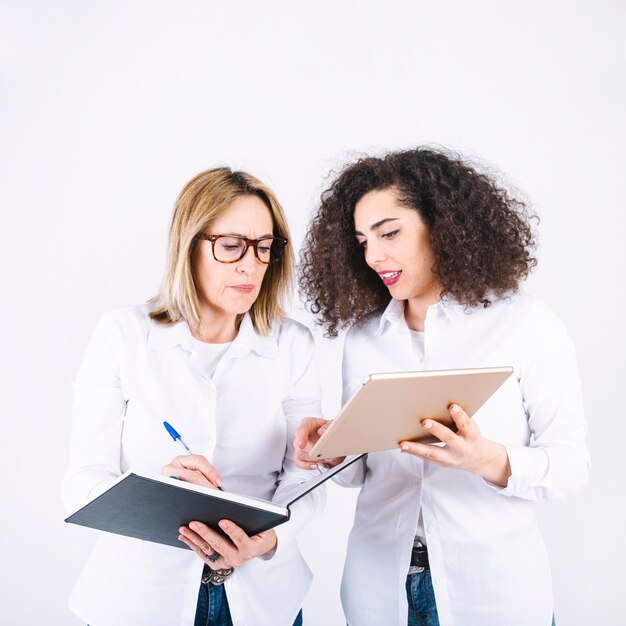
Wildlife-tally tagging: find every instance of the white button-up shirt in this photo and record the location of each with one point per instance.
(488, 562)
(136, 374)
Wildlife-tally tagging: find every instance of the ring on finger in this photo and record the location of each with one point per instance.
(213, 557)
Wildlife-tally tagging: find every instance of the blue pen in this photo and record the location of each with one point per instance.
(179, 440)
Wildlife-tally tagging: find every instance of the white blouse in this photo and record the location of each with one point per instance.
(136, 374)
(488, 561)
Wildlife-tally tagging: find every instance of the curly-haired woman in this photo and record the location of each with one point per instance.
(422, 255)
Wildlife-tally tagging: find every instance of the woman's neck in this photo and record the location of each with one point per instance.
(415, 309)
(216, 328)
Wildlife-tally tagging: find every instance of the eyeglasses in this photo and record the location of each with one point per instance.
(232, 248)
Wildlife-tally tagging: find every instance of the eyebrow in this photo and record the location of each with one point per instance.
(377, 225)
(244, 236)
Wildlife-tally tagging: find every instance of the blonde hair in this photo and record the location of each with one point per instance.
(203, 199)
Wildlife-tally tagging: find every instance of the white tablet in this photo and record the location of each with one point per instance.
(389, 408)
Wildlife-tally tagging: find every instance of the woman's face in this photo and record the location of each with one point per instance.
(230, 289)
(396, 245)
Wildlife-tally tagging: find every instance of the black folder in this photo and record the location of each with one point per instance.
(153, 507)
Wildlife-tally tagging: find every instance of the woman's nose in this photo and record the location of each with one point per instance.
(373, 254)
(248, 262)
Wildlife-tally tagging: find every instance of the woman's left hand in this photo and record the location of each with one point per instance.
(466, 449)
(233, 550)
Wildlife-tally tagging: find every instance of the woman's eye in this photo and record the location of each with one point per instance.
(390, 235)
(362, 244)
(230, 247)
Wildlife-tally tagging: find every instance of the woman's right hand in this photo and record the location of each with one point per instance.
(307, 434)
(193, 468)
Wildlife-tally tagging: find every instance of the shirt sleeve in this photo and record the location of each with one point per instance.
(556, 463)
(302, 400)
(352, 377)
(97, 415)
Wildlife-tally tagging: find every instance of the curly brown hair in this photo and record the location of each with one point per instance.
(480, 234)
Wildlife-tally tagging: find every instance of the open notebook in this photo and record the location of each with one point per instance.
(152, 507)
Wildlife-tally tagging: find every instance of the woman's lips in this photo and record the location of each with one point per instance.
(243, 288)
(390, 278)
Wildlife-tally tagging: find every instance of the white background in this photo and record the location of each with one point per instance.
(107, 108)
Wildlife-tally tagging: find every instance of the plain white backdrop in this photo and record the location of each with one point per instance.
(108, 107)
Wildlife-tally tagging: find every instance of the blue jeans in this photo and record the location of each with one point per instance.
(212, 608)
(421, 599)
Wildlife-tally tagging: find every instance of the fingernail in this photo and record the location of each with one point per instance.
(404, 446)
(224, 524)
(427, 424)
(454, 408)
(313, 466)
(194, 526)
(219, 482)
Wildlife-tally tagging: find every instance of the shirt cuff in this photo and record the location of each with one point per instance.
(528, 469)
(352, 476)
(302, 512)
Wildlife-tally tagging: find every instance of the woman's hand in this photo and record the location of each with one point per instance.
(193, 468)
(233, 550)
(466, 449)
(307, 434)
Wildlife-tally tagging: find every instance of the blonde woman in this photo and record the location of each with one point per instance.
(214, 354)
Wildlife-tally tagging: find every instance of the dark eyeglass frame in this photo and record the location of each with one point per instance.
(281, 241)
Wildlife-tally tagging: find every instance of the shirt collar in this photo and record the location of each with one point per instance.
(249, 339)
(162, 337)
(393, 315)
